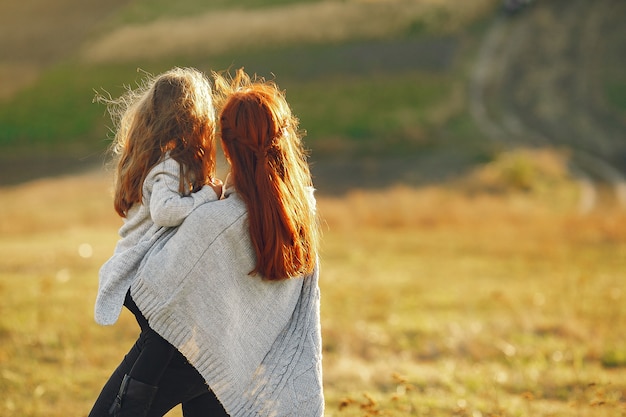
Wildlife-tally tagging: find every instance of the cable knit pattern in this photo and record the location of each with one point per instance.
(257, 343)
(163, 208)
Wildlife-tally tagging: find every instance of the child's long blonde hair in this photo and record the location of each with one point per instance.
(172, 112)
(262, 142)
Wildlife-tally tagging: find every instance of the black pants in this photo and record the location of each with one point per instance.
(179, 382)
(155, 354)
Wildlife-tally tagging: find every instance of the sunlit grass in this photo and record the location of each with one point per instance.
(488, 303)
(451, 300)
(499, 316)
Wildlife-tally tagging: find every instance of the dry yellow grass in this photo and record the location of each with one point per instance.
(477, 301)
(436, 302)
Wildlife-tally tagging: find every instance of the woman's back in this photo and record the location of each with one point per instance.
(245, 335)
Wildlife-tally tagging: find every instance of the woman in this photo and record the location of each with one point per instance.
(235, 288)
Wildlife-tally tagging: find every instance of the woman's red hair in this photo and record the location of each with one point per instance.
(270, 172)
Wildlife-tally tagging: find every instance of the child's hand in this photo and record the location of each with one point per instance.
(216, 184)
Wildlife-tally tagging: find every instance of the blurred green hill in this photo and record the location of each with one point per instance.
(383, 88)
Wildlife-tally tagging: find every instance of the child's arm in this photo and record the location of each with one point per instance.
(167, 206)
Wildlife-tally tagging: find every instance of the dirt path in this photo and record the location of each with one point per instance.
(537, 81)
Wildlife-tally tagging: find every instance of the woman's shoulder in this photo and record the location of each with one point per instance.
(222, 222)
(220, 213)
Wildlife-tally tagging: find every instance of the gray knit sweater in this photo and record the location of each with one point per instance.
(257, 343)
(163, 207)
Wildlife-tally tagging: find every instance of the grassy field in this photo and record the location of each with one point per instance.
(469, 299)
(485, 296)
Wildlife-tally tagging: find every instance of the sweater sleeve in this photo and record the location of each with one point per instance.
(168, 207)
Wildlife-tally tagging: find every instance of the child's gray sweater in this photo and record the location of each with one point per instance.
(163, 207)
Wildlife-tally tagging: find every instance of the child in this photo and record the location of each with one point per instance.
(165, 139)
